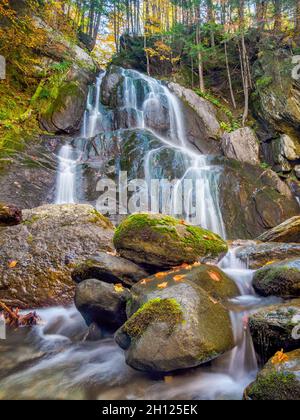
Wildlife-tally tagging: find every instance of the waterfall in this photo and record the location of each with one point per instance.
(66, 180)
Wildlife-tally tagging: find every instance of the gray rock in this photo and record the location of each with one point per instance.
(203, 108)
(177, 320)
(258, 254)
(241, 145)
(111, 86)
(44, 249)
(110, 269)
(102, 303)
(274, 328)
(288, 231)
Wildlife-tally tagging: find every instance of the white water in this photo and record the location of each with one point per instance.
(66, 178)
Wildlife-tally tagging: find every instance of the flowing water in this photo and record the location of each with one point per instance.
(54, 360)
(146, 104)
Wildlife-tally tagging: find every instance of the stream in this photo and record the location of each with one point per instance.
(53, 360)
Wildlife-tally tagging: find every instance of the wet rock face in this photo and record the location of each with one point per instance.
(241, 145)
(272, 328)
(288, 231)
(162, 241)
(110, 269)
(259, 254)
(9, 215)
(258, 200)
(111, 88)
(30, 179)
(102, 303)
(279, 279)
(277, 381)
(37, 256)
(177, 319)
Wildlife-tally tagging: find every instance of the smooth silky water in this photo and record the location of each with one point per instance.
(54, 360)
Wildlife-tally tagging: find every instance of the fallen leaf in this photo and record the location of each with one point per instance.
(168, 379)
(161, 275)
(214, 301)
(162, 285)
(119, 288)
(12, 264)
(179, 277)
(280, 357)
(143, 282)
(182, 222)
(197, 264)
(270, 262)
(112, 253)
(214, 276)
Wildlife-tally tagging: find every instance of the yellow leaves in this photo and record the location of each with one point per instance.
(13, 264)
(214, 276)
(280, 357)
(119, 288)
(270, 262)
(168, 379)
(162, 285)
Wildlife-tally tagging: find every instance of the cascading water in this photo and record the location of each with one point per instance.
(66, 179)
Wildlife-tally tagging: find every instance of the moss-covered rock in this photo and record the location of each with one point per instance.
(163, 241)
(178, 319)
(273, 328)
(279, 279)
(37, 256)
(277, 381)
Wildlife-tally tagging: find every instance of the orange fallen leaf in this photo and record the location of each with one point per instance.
(162, 285)
(168, 379)
(182, 222)
(119, 288)
(161, 275)
(280, 357)
(179, 277)
(12, 264)
(214, 276)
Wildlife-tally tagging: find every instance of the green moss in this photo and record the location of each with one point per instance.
(277, 281)
(194, 237)
(97, 217)
(275, 386)
(156, 310)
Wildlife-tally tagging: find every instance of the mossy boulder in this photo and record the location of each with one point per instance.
(178, 319)
(108, 268)
(163, 241)
(274, 328)
(277, 381)
(279, 279)
(288, 231)
(38, 255)
(10, 215)
(102, 303)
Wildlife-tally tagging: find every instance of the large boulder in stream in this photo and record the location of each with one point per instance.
(279, 279)
(37, 256)
(178, 319)
(102, 303)
(288, 231)
(279, 380)
(108, 268)
(162, 241)
(276, 327)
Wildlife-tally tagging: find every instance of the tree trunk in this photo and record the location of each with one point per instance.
(297, 20)
(278, 15)
(229, 77)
